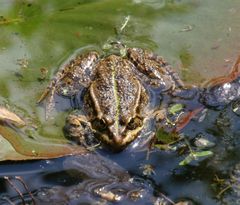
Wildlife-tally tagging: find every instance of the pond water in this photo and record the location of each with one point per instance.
(200, 38)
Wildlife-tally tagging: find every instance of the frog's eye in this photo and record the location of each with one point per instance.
(99, 124)
(134, 123)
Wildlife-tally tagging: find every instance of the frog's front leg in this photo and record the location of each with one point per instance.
(79, 130)
(73, 75)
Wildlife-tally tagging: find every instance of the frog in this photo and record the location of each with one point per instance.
(115, 91)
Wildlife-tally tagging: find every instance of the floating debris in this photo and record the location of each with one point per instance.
(6, 21)
(107, 195)
(202, 142)
(43, 74)
(148, 169)
(203, 115)
(8, 116)
(187, 28)
(126, 20)
(236, 107)
(23, 62)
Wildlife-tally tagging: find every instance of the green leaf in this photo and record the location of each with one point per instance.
(175, 108)
(107, 46)
(165, 147)
(7, 152)
(195, 156)
(123, 52)
(187, 160)
(166, 138)
(203, 154)
(15, 146)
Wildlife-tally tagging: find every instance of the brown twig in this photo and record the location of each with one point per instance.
(26, 188)
(224, 190)
(168, 199)
(16, 189)
(8, 200)
(233, 75)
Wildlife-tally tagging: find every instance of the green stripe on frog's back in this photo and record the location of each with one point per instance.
(116, 99)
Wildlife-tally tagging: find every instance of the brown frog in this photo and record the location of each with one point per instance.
(116, 96)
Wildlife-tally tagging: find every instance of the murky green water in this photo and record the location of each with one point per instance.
(200, 38)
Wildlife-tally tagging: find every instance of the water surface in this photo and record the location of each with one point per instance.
(198, 37)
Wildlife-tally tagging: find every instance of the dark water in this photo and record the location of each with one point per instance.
(198, 37)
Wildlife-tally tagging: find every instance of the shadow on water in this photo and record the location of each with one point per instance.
(197, 37)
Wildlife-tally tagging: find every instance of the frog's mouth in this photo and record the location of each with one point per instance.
(125, 134)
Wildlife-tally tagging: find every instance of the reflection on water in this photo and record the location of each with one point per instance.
(199, 37)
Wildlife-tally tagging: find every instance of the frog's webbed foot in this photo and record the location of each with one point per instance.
(79, 130)
(75, 74)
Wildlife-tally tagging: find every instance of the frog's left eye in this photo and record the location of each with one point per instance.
(134, 123)
(99, 124)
